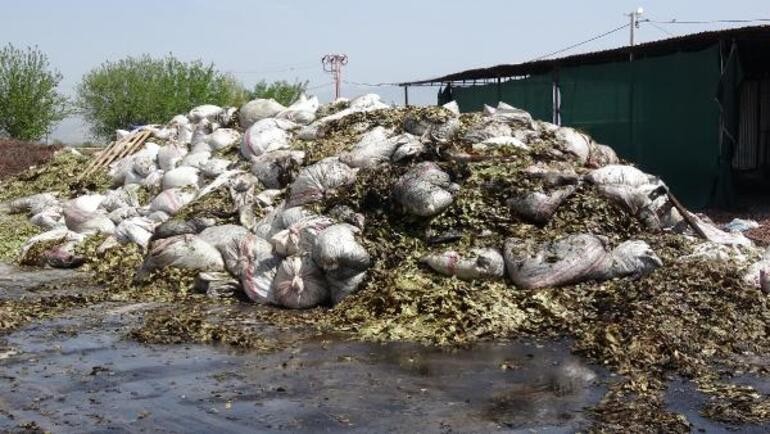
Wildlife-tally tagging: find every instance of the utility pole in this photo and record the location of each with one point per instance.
(634, 17)
(333, 63)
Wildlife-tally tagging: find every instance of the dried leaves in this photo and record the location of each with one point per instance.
(192, 323)
(14, 231)
(693, 318)
(218, 204)
(15, 313)
(624, 410)
(412, 305)
(58, 175)
(731, 402)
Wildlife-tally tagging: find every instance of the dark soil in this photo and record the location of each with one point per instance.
(753, 208)
(17, 156)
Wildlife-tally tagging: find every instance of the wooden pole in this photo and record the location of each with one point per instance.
(687, 216)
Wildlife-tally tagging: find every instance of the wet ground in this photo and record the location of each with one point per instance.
(80, 373)
(683, 397)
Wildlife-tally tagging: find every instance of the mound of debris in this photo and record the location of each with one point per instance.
(17, 156)
(423, 224)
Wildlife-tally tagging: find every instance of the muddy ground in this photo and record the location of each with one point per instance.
(80, 372)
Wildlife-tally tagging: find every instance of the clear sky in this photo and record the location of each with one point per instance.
(387, 41)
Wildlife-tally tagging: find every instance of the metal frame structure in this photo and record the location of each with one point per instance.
(333, 63)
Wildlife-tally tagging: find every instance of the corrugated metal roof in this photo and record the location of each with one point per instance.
(692, 42)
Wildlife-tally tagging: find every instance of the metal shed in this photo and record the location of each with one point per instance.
(693, 109)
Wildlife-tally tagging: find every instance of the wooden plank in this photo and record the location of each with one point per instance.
(100, 157)
(117, 150)
(106, 153)
(122, 150)
(130, 147)
(133, 145)
(687, 216)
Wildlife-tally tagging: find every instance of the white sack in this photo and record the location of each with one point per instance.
(477, 264)
(299, 284)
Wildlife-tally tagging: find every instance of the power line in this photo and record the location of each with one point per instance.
(675, 21)
(358, 83)
(320, 86)
(599, 36)
(273, 71)
(659, 27)
(285, 68)
(652, 22)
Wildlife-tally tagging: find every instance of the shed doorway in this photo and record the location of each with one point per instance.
(751, 157)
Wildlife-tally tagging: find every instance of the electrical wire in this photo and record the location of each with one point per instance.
(320, 86)
(658, 27)
(675, 21)
(654, 23)
(651, 22)
(607, 33)
(285, 68)
(594, 38)
(357, 83)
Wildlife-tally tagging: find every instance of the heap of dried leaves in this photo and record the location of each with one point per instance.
(341, 135)
(60, 174)
(170, 325)
(15, 229)
(218, 204)
(694, 319)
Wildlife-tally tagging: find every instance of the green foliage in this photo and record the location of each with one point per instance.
(281, 91)
(144, 90)
(218, 204)
(29, 102)
(60, 174)
(14, 231)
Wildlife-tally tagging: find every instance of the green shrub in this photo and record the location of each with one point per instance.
(145, 90)
(281, 91)
(29, 102)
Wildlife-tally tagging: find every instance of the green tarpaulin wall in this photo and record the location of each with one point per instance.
(533, 94)
(472, 98)
(659, 112)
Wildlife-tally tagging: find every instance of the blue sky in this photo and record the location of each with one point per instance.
(386, 41)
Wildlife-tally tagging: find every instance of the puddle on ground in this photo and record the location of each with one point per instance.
(21, 281)
(683, 396)
(79, 373)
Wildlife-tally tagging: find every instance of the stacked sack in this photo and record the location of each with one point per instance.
(269, 237)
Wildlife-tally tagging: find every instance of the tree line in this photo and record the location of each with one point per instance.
(117, 94)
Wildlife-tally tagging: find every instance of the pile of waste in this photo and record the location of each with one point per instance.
(17, 155)
(421, 224)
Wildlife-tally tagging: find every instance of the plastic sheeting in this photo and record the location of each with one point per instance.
(661, 112)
